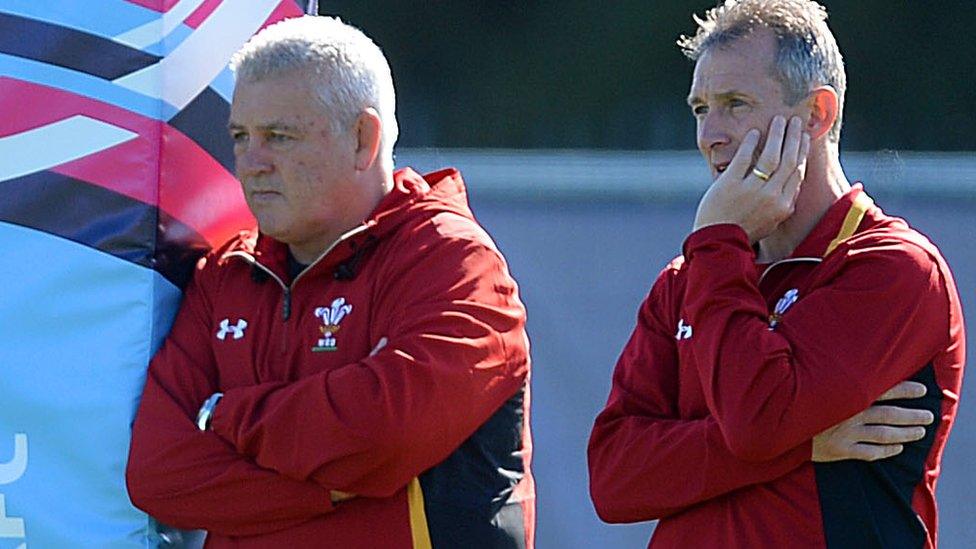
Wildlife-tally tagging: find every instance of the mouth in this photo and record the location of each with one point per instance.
(258, 196)
(720, 167)
(258, 193)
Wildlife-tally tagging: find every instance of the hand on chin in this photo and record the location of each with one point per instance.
(758, 195)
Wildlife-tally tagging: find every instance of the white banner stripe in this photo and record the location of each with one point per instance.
(55, 144)
(154, 31)
(193, 65)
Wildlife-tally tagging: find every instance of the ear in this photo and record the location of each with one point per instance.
(824, 108)
(369, 134)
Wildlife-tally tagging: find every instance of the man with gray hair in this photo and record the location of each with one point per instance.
(744, 409)
(354, 371)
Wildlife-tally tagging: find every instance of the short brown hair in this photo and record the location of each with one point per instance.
(806, 53)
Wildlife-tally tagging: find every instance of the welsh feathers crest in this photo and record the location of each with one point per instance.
(784, 303)
(331, 317)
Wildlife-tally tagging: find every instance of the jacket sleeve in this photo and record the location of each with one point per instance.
(881, 317)
(192, 479)
(456, 351)
(645, 460)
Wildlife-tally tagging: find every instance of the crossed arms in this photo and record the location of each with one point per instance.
(366, 428)
(768, 393)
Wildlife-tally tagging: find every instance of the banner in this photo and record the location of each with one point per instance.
(115, 176)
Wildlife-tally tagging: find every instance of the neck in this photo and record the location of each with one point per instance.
(823, 184)
(377, 184)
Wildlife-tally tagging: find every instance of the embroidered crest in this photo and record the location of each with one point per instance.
(784, 303)
(684, 330)
(237, 330)
(331, 317)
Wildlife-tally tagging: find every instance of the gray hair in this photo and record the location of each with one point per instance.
(807, 54)
(350, 71)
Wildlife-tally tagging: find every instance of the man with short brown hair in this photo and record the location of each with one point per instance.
(741, 410)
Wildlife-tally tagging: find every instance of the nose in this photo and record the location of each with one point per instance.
(712, 132)
(252, 158)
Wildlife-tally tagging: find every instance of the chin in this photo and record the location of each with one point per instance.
(269, 228)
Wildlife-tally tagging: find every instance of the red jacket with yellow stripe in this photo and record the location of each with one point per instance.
(394, 368)
(734, 367)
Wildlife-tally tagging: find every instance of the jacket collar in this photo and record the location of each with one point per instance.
(839, 223)
(412, 196)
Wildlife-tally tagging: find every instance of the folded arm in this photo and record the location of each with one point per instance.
(882, 316)
(191, 479)
(648, 462)
(456, 351)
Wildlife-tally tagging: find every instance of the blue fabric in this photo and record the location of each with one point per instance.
(82, 15)
(77, 328)
(80, 317)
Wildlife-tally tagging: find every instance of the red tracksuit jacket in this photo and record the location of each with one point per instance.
(712, 410)
(394, 368)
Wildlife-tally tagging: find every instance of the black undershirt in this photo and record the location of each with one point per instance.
(294, 267)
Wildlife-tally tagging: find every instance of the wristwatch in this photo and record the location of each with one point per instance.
(205, 415)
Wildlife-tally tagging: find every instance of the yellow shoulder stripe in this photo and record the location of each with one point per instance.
(418, 518)
(853, 219)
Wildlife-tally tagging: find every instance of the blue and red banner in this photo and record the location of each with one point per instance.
(115, 175)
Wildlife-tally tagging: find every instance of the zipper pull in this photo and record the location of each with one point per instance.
(286, 305)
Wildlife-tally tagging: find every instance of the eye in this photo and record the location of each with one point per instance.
(277, 137)
(238, 136)
(699, 110)
(737, 103)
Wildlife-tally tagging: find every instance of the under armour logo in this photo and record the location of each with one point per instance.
(225, 328)
(684, 330)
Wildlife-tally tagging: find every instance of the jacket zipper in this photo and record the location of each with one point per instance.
(785, 261)
(286, 304)
(285, 300)
(287, 289)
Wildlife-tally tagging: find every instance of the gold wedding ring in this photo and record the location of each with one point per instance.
(760, 174)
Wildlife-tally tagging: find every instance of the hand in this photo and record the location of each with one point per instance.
(743, 197)
(876, 433)
(338, 496)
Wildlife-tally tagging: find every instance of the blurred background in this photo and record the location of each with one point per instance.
(607, 75)
(569, 122)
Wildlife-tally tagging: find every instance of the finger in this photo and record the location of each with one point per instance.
(896, 415)
(792, 190)
(905, 389)
(768, 161)
(789, 160)
(802, 155)
(338, 496)
(801, 168)
(874, 452)
(886, 434)
(379, 346)
(743, 156)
